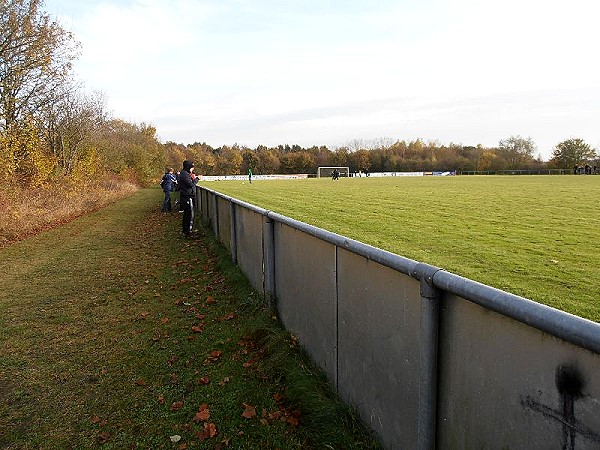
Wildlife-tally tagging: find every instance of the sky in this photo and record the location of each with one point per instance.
(333, 72)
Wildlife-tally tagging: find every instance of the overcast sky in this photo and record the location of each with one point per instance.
(328, 72)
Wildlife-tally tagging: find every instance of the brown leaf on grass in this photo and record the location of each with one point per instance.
(172, 360)
(182, 447)
(247, 364)
(103, 437)
(176, 406)
(249, 411)
(203, 413)
(197, 329)
(144, 314)
(226, 317)
(186, 280)
(224, 381)
(140, 382)
(215, 355)
(277, 397)
(209, 431)
(200, 316)
(293, 421)
(210, 300)
(164, 320)
(96, 420)
(161, 400)
(275, 415)
(204, 380)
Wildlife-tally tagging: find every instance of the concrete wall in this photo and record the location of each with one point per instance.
(428, 359)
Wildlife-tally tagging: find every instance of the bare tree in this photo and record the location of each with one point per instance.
(518, 150)
(36, 54)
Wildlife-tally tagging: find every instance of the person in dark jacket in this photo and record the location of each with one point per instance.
(187, 191)
(168, 183)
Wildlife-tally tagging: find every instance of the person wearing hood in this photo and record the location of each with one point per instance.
(187, 190)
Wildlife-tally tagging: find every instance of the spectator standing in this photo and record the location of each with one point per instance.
(250, 174)
(187, 190)
(168, 183)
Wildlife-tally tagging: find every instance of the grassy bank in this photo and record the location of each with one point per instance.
(27, 211)
(117, 333)
(534, 236)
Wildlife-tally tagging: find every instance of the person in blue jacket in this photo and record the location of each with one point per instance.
(168, 183)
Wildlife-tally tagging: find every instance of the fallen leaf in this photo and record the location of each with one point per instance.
(103, 437)
(212, 429)
(161, 400)
(210, 300)
(182, 447)
(224, 381)
(226, 317)
(197, 329)
(215, 355)
(140, 382)
(277, 397)
(96, 419)
(164, 320)
(204, 380)
(145, 315)
(176, 405)
(209, 431)
(202, 415)
(249, 411)
(175, 438)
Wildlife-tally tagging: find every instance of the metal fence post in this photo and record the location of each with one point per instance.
(269, 261)
(233, 237)
(430, 317)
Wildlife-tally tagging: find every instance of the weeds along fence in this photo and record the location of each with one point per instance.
(428, 359)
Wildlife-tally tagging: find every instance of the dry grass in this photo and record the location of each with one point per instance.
(26, 212)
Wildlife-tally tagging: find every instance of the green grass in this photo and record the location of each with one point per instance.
(534, 236)
(97, 348)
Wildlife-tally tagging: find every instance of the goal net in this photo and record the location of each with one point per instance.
(328, 171)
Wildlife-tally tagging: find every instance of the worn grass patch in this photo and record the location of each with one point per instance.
(117, 333)
(534, 236)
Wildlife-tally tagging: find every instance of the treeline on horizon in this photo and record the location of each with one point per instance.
(383, 155)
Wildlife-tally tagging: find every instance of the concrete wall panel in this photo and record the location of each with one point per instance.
(249, 244)
(305, 288)
(224, 207)
(378, 349)
(506, 385)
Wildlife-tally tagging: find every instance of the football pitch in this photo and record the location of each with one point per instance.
(534, 236)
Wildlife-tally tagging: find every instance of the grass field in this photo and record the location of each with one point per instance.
(117, 333)
(534, 236)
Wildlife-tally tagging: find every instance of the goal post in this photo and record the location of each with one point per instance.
(326, 171)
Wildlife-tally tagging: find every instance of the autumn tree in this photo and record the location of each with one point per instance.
(35, 59)
(360, 160)
(572, 152)
(518, 150)
(228, 161)
(70, 122)
(130, 150)
(268, 161)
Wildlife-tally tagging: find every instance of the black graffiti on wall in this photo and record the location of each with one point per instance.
(570, 385)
